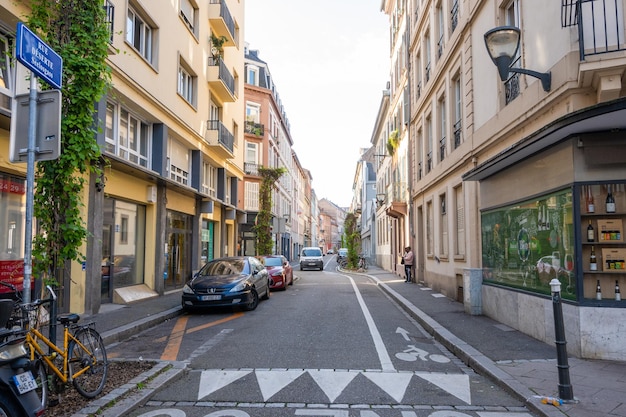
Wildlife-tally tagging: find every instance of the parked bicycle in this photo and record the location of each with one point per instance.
(362, 262)
(80, 359)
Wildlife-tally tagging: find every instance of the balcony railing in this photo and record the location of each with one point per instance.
(254, 128)
(429, 161)
(251, 168)
(419, 170)
(457, 134)
(600, 25)
(442, 149)
(222, 81)
(219, 136)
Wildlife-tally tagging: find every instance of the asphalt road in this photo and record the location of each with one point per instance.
(330, 345)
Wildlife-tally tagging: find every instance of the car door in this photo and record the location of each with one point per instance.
(259, 275)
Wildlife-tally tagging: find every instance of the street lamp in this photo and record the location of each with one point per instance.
(380, 198)
(565, 387)
(502, 44)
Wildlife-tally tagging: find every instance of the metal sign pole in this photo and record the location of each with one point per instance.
(30, 189)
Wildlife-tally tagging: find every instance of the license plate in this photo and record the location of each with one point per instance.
(210, 297)
(25, 382)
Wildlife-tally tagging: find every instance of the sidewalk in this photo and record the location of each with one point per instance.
(520, 364)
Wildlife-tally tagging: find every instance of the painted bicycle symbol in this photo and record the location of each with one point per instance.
(414, 353)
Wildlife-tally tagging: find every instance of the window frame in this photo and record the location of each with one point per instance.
(140, 33)
(187, 83)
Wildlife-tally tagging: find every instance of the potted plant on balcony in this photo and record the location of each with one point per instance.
(217, 48)
(393, 142)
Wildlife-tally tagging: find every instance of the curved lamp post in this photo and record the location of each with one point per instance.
(502, 44)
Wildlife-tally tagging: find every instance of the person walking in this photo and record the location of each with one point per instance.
(408, 263)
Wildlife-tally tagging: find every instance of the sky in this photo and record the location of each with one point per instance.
(329, 60)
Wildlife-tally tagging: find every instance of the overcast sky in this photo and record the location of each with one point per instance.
(329, 60)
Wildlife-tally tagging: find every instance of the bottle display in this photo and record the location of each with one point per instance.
(598, 291)
(593, 262)
(591, 207)
(591, 233)
(610, 202)
(618, 296)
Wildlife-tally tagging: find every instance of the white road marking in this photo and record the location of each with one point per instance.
(332, 382)
(212, 380)
(383, 355)
(271, 382)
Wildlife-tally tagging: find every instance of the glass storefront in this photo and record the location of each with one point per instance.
(526, 245)
(12, 218)
(123, 246)
(178, 252)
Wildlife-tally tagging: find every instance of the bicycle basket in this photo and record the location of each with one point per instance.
(34, 315)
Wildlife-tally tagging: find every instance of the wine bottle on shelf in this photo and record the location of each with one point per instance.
(593, 262)
(610, 202)
(591, 233)
(618, 296)
(598, 291)
(591, 207)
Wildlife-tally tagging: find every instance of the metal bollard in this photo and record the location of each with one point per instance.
(565, 387)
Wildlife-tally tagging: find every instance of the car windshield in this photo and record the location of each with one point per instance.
(311, 252)
(273, 262)
(343, 252)
(226, 267)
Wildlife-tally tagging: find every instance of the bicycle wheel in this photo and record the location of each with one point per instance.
(90, 360)
(41, 377)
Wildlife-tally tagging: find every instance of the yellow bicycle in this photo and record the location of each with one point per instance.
(81, 359)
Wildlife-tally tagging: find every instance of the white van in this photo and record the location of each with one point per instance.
(311, 257)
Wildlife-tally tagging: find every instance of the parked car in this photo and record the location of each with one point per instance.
(311, 257)
(342, 253)
(281, 273)
(233, 281)
(330, 252)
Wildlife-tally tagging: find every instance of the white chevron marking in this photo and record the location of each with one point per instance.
(393, 383)
(456, 384)
(271, 382)
(332, 382)
(212, 380)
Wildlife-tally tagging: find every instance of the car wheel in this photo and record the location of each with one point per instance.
(301, 268)
(253, 302)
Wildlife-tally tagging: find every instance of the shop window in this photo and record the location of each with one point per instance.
(525, 245)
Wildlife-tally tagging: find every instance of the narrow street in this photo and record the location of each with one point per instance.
(332, 344)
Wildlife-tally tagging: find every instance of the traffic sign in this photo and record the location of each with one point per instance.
(38, 57)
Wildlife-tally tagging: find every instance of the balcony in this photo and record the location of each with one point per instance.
(396, 198)
(221, 80)
(254, 128)
(219, 139)
(222, 22)
(251, 168)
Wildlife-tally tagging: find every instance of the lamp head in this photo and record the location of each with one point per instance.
(502, 44)
(555, 286)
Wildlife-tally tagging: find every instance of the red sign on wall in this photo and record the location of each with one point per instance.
(12, 272)
(12, 185)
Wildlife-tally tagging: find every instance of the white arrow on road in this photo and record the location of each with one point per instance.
(404, 333)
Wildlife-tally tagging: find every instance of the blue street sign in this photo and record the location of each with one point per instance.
(38, 57)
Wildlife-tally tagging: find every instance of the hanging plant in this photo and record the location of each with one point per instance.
(218, 45)
(393, 142)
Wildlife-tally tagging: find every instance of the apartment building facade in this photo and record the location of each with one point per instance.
(172, 136)
(507, 170)
(268, 143)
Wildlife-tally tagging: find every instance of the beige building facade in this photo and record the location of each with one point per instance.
(501, 171)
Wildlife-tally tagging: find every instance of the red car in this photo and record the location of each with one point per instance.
(281, 273)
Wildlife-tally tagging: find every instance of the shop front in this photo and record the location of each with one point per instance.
(554, 206)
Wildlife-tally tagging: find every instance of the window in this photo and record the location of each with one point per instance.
(442, 128)
(5, 65)
(427, 56)
(252, 152)
(139, 34)
(253, 112)
(454, 15)
(456, 85)
(124, 229)
(209, 179)
(512, 85)
(127, 136)
(178, 156)
(459, 200)
(443, 219)
(429, 145)
(251, 201)
(189, 14)
(253, 75)
(429, 228)
(186, 84)
(441, 21)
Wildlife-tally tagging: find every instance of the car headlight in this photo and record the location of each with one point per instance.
(239, 287)
(187, 289)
